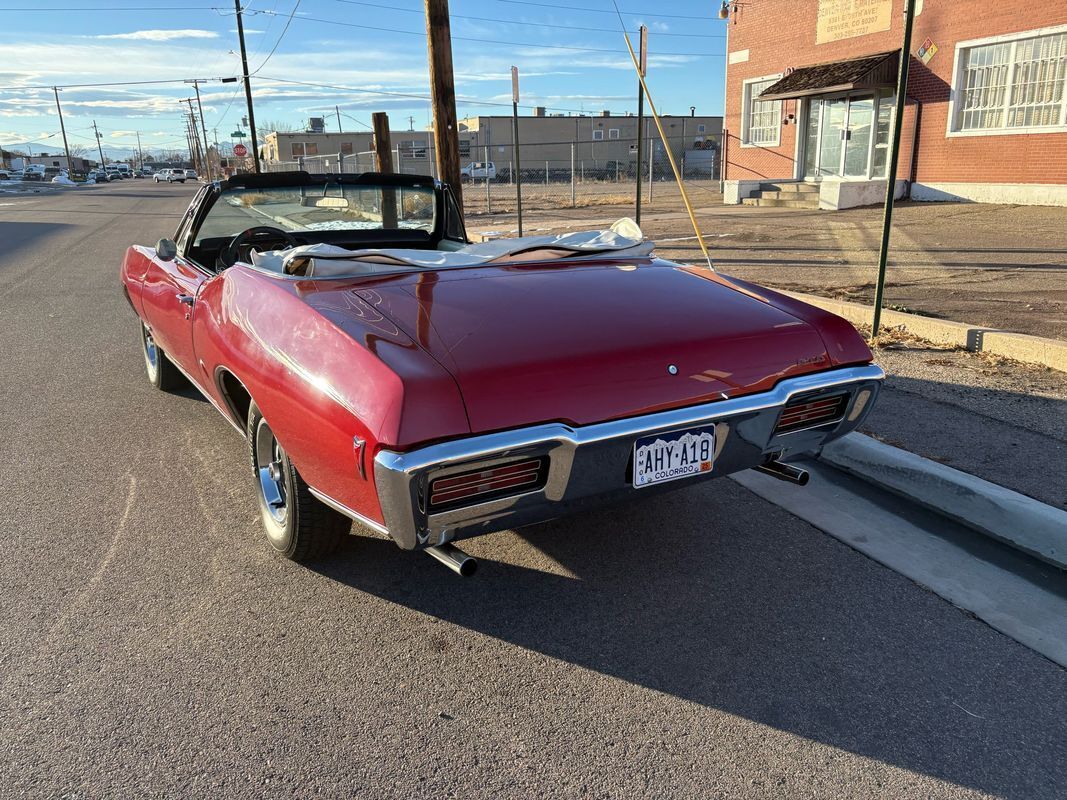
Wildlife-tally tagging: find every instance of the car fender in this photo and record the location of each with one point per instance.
(331, 389)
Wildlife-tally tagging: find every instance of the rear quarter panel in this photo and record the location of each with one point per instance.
(134, 266)
(322, 376)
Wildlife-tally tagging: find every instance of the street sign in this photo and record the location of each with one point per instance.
(240, 150)
(237, 135)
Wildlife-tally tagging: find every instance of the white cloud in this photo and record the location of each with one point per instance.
(162, 35)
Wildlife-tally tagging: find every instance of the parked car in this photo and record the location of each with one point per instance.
(170, 176)
(478, 170)
(114, 174)
(5, 175)
(445, 390)
(147, 172)
(100, 176)
(190, 174)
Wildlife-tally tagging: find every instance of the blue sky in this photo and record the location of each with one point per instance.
(571, 58)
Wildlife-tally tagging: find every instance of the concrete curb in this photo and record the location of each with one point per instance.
(1034, 349)
(1022, 522)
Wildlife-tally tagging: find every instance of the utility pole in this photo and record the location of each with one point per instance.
(894, 159)
(140, 153)
(191, 122)
(640, 118)
(248, 86)
(515, 143)
(203, 128)
(337, 111)
(383, 151)
(443, 91)
(99, 148)
(62, 127)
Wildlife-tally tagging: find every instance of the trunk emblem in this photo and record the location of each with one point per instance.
(673, 370)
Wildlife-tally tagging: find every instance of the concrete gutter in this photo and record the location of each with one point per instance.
(1015, 519)
(1019, 346)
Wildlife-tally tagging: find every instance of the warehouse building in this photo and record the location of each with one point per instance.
(810, 95)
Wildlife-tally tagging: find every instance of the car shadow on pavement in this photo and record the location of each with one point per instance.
(761, 617)
(16, 236)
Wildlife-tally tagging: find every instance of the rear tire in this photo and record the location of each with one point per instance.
(161, 372)
(297, 524)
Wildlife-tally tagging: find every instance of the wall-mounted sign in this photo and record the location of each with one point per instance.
(927, 50)
(843, 19)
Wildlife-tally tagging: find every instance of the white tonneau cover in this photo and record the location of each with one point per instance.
(623, 239)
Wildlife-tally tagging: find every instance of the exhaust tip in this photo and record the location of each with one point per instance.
(455, 559)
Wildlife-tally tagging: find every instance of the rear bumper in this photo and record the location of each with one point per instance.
(590, 465)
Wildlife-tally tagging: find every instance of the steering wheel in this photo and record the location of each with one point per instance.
(257, 238)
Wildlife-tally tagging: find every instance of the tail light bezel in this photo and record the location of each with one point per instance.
(444, 490)
(835, 404)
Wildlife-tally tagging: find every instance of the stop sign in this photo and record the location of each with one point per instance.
(240, 150)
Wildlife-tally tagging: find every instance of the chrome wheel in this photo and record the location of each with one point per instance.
(151, 353)
(270, 469)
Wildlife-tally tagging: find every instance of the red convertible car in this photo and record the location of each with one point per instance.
(384, 370)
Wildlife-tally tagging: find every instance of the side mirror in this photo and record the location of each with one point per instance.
(166, 250)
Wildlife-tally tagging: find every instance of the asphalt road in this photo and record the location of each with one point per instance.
(703, 644)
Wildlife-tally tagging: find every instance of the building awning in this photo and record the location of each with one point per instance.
(878, 71)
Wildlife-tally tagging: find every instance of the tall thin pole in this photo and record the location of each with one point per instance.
(62, 127)
(894, 159)
(443, 93)
(203, 130)
(338, 112)
(140, 153)
(248, 87)
(99, 148)
(515, 143)
(640, 119)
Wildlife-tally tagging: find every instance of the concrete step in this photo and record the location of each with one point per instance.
(774, 202)
(782, 195)
(792, 187)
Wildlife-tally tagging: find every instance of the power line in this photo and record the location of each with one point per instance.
(498, 41)
(101, 85)
(280, 36)
(420, 12)
(603, 10)
(116, 8)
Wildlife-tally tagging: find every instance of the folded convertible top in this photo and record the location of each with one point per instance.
(323, 260)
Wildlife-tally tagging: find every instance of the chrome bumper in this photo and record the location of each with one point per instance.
(588, 465)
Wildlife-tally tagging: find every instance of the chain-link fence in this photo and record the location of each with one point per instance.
(550, 175)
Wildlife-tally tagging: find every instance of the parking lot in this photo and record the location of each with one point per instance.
(706, 643)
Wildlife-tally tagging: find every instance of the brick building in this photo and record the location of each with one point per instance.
(810, 93)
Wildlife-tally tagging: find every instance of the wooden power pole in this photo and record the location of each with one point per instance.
(443, 90)
(383, 151)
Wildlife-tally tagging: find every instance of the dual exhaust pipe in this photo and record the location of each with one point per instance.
(465, 566)
(784, 472)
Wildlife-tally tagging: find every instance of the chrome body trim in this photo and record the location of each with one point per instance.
(588, 465)
(341, 508)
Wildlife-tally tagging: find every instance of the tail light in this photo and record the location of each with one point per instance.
(811, 413)
(480, 485)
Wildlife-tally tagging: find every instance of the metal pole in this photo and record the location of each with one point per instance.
(546, 173)
(203, 130)
(248, 88)
(640, 121)
(574, 198)
(66, 148)
(488, 193)
(99, 149)
(651, 148)
(515, 141)
(140, 153)
(338, 112)
(894, 158)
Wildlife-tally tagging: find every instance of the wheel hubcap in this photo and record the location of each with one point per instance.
(271, 473)
(151, 352)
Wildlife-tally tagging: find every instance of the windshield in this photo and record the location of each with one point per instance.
(319, 207)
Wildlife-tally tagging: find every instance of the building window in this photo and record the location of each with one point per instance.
(298, 149)
(613, 133)
(1008, 84)
(761, 120)
(701, 128)
(311, 148)
(346, 148)
(598, 136)
(464, 148)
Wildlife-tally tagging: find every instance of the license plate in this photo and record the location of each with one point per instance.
(671, 456)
